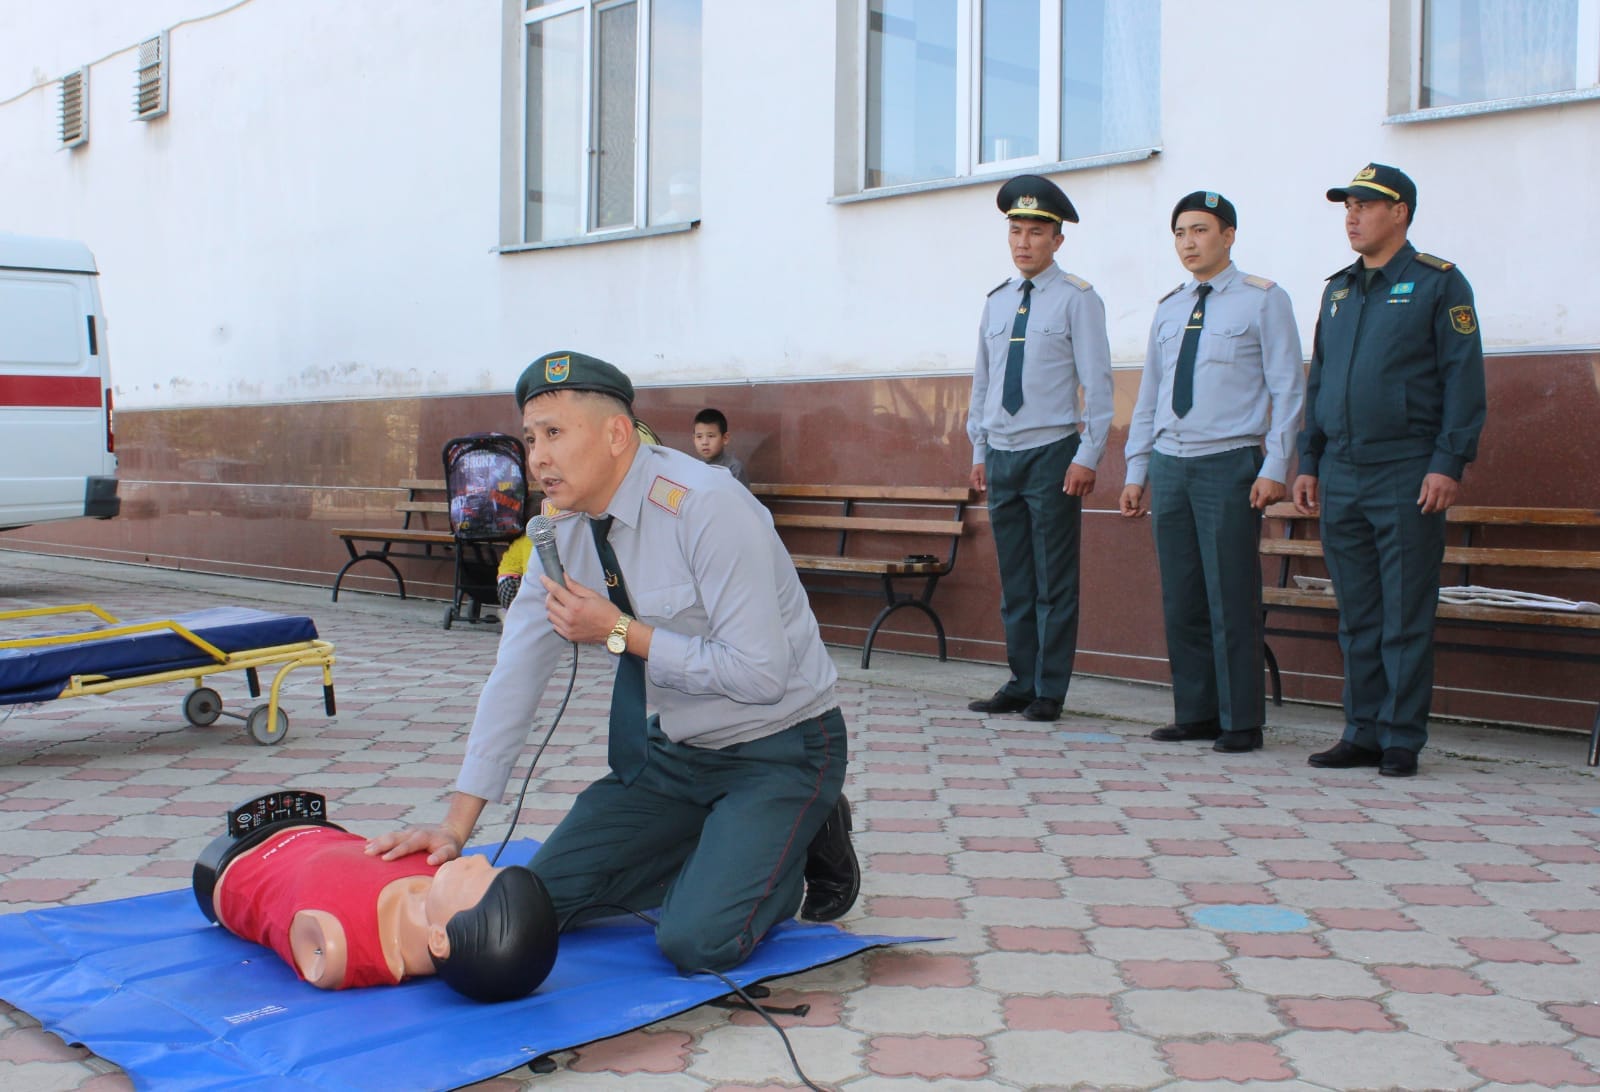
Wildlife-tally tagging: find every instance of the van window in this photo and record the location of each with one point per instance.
(40, 323)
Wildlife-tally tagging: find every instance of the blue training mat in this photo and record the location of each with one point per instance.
(179, 1003)
(40, 673)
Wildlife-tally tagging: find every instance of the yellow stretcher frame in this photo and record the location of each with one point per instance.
(267, 724)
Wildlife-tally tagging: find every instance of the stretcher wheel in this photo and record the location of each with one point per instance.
(202, 707)
(449, 616)
(265, 730)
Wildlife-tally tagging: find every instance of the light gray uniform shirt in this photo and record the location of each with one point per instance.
(1249, 384)
(736, 654)
(1066, 348)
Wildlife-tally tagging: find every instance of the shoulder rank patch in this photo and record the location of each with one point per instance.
(1169, 295)
(550, 511)
(1077, 282)
(1438, 263)
(1464, 321)
(667, 495)
(1260, 282)
(999, 286)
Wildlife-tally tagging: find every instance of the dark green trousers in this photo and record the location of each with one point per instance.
(1036, 534)
(1384, 557)
(1207, 538)
(716, 839)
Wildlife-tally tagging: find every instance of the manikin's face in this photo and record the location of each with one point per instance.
(458, 885)
(573, 445)
(709, 440)
(1033, 244)
(1374, 226)
(1202, 242)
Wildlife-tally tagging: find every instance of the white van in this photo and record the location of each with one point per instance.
(57, 452)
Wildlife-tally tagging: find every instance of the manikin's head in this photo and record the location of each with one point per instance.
(498, 947)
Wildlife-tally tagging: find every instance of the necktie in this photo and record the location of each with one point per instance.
(627, 747)
(1011, 394)
(1183, 382)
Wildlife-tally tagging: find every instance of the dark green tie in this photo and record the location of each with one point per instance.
(1183, 382)
(627, 747)
(1011, 394)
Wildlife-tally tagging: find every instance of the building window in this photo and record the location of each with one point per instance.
(1475, 51)
(960, 87)
(611, 105)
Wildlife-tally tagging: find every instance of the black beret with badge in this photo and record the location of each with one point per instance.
(1378, 182)
(1206, 201)
(565, 370)
(1029, 197)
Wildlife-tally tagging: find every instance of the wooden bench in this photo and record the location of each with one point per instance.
(1474, 528)
(877, 533)
(424, 498)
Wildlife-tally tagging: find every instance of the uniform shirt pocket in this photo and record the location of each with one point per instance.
(664, 602)
(1223, 343)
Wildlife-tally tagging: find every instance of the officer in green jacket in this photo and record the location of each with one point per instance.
(1394, 405)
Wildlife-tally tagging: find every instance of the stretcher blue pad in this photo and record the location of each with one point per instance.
(180, 1003)
(41, 673)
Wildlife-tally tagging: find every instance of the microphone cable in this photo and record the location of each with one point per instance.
(516, 811)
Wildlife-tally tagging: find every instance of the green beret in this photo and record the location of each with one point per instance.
(1206, 201)
(566, 370)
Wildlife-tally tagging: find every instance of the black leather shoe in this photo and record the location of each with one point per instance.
(1182, 730)
(999, 702)
(1345, 756)
(1238, 742)
(833, 875)
(1043, 709)
(1398, 762)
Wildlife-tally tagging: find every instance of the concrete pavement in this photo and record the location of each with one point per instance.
(1121, 913)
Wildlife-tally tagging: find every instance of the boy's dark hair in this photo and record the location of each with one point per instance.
(502, 948)
(709, 416)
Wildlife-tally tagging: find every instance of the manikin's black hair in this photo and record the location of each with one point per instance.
(502, 948)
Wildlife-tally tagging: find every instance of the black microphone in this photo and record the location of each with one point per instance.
(542, 532)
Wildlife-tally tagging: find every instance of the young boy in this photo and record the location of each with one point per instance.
(711, 441)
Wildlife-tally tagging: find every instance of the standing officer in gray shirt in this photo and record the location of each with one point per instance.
(675, 569)
(1222, 380)
(1041, 339)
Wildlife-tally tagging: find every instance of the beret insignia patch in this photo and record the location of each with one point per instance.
(556, 369)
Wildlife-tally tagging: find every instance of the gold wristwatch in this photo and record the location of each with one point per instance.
(617, 639)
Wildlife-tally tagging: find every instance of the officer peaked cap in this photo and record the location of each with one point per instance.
(1029, 197)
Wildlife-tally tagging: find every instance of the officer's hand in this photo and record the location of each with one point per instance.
(1080, 481)
(1305, 494)
(1438, 493)
(1265, 491)
(1132, 501)
(978, 480)
(440, 843)
(578, 613)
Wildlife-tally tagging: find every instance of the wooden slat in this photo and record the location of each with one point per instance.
(434, 507)
(395, 534)
(859, 565)
(1576, 560)
(946, 494)
(1485, 515)
(869, 524)
(1460, 612)
(436, 485)
(1291, 547)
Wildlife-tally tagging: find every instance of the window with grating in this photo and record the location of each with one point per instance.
(150, 90)
(75, 108)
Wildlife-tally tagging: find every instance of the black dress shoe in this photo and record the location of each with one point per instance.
(1238, 742)
(1344, 756)
(1398, 762)
(999, 702)
(1043, 709)
(833, 875)
(1182, 730)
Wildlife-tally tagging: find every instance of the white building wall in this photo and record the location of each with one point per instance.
(317, 217)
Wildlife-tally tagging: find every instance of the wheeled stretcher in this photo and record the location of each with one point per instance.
(117, 655)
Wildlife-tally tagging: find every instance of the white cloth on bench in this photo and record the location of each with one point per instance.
(1473, 595)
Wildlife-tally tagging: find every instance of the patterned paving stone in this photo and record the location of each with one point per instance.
(1232, 1062)
(1546, 1066)
(1183, 1013)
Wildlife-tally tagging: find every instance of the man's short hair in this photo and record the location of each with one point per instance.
(709, 416)
(502, 948)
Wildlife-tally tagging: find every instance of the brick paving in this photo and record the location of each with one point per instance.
(1119, 913)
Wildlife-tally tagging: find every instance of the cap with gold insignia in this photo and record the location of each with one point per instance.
(1381, 182)
(1206, 201)
(566, 370)
(1028, 196)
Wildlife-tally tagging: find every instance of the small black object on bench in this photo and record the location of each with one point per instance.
(1472, 526)
(873, 525)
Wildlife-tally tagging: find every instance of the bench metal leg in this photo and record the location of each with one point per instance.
(398, 579)
(872, 633)
(1594, 741)
(1272, 668)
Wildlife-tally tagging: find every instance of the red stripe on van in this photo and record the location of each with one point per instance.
(49, 390)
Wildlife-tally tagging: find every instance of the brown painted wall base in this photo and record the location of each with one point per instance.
(254, 492)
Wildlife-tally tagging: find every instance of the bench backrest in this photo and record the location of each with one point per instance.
(424, 497)
(932, 516)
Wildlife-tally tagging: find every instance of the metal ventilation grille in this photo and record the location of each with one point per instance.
(75, 108)
(150, 93)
